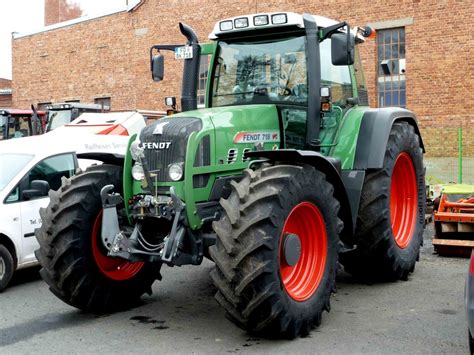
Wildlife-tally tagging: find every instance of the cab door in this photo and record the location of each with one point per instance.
(51, 170)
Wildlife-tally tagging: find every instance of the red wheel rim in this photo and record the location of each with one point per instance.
(301, 280)
(114, 268)
(403, 200)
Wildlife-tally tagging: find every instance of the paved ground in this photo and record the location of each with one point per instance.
(422, 315)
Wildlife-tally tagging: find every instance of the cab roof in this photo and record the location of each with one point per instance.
(18, 112)
(264, 20)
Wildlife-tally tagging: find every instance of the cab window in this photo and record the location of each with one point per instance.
(337, 77)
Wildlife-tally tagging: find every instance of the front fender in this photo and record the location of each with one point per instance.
(330, 167)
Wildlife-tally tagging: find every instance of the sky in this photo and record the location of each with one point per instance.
(28, 15)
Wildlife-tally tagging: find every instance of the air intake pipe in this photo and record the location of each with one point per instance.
(191, 70)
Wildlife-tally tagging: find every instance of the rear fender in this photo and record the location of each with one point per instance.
(374, 133)
(330, 167)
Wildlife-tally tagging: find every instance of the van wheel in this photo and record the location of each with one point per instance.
(7, 265)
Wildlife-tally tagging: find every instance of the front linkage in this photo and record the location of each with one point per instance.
(130, 243)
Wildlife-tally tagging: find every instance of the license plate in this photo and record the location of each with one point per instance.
(185, 52)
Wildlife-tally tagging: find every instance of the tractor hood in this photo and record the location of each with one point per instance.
(214, 137)
(235, 129)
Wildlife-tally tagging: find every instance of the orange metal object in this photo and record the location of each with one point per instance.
(454, 226)
(460, 211)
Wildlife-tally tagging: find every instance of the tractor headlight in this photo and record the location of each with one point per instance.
(175, 171)
(137, 172)
(136, 151)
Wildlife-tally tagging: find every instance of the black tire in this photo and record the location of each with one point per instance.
(66, 252)
(7, 266)
(379, 254)
(246, 255)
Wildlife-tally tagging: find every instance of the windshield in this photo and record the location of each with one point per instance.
(268, 71)
(57, 119)
(10, 166)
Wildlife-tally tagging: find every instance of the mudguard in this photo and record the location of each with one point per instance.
(374, 132)
(331, 167)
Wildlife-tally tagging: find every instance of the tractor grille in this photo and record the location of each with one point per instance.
(165, 143)
(232, 155)
(244, 157)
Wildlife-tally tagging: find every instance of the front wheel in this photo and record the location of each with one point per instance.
(7, 266)
(74, 262)
(276, 250)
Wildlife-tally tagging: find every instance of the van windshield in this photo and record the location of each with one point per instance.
(10, 165)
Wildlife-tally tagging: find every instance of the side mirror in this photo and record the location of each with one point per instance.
(158, 67)
(342, 48)
(39, 188)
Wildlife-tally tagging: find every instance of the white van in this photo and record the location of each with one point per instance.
(29, 167)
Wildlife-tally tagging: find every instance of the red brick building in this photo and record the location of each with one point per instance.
(427, 44)
(5, 93)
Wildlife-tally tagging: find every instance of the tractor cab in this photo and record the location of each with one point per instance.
(305, 65)
(60, 114)
(16, 123)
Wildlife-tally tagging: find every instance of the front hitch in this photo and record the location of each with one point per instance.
(110, 225)
(133, 246)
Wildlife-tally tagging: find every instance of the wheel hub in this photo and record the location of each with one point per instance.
(291, 249)
(303, 251)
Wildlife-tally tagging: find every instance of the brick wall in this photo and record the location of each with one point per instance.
(109, 56)
(5, 99)
(5, 83)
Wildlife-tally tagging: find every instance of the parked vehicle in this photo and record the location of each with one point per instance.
(60, 114)
(286, 171)
(30, 167)
(16, 123)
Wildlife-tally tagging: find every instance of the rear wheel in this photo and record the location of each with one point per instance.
(390, 224)
(7, 266)
(74, 261)
(276, 250)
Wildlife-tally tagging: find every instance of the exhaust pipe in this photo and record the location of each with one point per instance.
(190, 71)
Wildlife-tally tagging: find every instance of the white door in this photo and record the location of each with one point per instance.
(29, 200)
(30, 220)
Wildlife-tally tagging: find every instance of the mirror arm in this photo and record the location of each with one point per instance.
(162, 47)
(330, 30)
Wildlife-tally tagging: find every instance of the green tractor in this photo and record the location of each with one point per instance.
(284, 174)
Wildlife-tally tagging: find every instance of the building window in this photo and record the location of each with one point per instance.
(203, 70)
(391, 67)
(105, 102)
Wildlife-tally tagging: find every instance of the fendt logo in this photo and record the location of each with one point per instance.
(156, 145)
